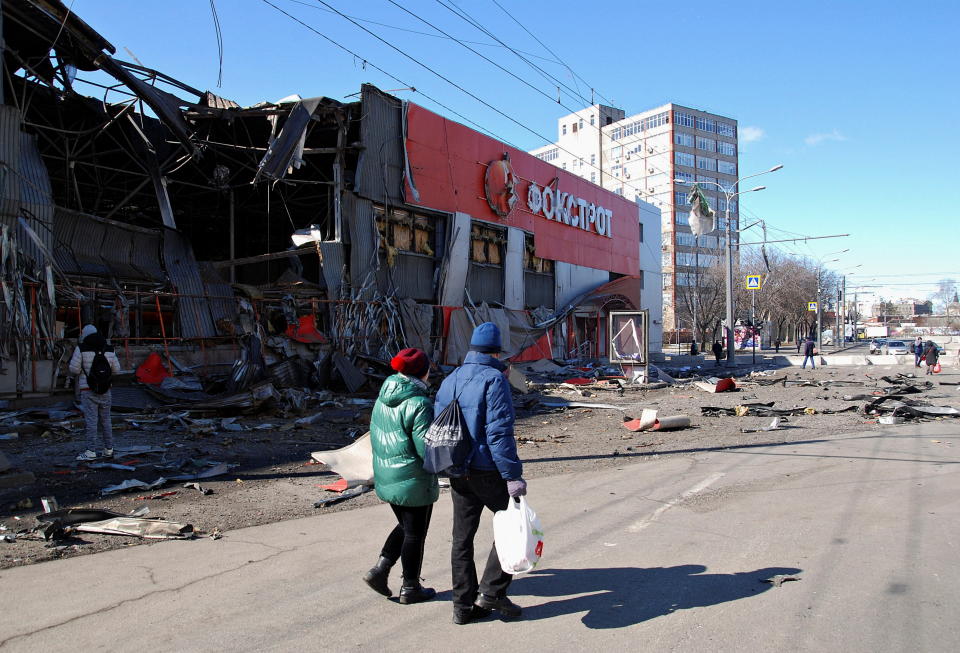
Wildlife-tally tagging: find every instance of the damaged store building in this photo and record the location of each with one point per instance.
(304, 240)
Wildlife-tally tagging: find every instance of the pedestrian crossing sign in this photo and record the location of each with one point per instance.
(811, 306)
(753, 282)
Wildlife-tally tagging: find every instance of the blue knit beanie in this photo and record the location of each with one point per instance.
(486, 338)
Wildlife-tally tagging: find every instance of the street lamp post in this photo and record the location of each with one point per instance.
(820, 264)
(728, 328)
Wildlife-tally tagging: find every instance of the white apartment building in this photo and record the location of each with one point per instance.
(655, 157)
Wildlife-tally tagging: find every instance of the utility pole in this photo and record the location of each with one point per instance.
(836, 339)
(819, 311)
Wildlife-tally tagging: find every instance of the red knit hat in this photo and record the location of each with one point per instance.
(411, 361)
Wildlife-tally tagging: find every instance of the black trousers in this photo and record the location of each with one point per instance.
(471, 494)
(406, 541)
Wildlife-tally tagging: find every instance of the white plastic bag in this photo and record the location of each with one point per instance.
(518, 536)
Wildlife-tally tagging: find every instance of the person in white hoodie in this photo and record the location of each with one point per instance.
(95, 406)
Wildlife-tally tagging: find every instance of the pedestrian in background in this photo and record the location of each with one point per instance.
(808, 352)
(717, 351)
(931, 354)
(401, 416)
(917, 351)
(494, 473)
(776, 345)
(94, 358)
(800, 342)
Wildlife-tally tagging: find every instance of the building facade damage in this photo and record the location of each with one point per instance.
(303, 240)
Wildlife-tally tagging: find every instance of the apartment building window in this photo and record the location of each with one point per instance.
(581, 123)
(592, 119)
(683, 159)
(726, 129)
(722, 204)
(641, 232)
(573, 128)
(726, 148)
(706, 144)
(681, 138)
(690, 259)
(593, 177)
(616, 170)
(564, 165)
(550, 155)
(615, 133)
(726, 167)
(656, 121)
(564, 130)
(685, 239)
(706, 125)
(706, 163)
(705, 179)
(666, 259)
(619, 191)
(593, 159)
(687, 177)
(681, 118)
(682, 217)
(616, 151)
(679, 198)
(712, 202)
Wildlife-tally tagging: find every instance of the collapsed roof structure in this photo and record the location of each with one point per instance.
(165, 215)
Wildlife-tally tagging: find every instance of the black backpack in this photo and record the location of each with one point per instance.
(447, 443)
(99, 376)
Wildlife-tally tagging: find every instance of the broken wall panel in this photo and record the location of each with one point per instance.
(193, 312)
(221, 303)
(380, 167)
(364, 247)
(334, 268)
(90, 245)
(25, 189)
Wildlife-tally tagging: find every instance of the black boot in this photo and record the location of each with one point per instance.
(414, 592)
(376, 578)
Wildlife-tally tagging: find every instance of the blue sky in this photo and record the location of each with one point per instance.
(859, 100)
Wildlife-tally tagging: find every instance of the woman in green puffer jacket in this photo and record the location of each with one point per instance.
(400, 420)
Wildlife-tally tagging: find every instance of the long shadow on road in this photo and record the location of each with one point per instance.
(618, 597)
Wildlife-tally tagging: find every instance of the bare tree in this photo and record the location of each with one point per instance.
(946, 293)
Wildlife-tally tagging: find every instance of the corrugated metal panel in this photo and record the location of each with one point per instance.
(89, 245)
(538, 289)
(222, 305)
(333, 268)
(193, 313)
(380, 167)
(485, 283)
(364, 246)
(24, 186)
(413, 276)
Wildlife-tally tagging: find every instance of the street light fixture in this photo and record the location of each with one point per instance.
(728, 328)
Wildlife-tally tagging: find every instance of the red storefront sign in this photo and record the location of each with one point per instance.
(455, 168)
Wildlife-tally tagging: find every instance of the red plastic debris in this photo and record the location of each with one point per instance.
(152, 371)
(305, 331)
(578, 380)
(726, 385)
(632, 425)
(162, 495)
(339, 486)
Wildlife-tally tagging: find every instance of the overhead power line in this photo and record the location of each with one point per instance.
(388, 74)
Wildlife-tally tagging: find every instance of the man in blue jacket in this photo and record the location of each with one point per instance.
(494, 474)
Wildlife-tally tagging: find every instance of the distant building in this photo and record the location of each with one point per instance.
(640, 157)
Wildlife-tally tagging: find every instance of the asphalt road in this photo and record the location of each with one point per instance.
(666, 553)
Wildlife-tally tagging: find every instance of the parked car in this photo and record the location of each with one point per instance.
(898, 347)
